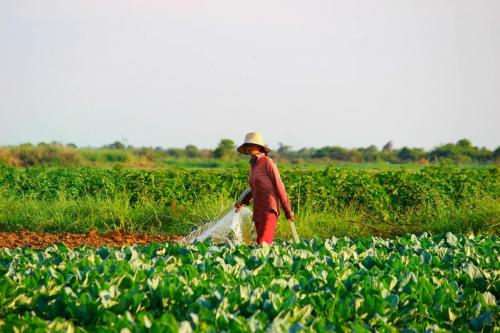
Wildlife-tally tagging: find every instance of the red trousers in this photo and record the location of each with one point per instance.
(265, 228)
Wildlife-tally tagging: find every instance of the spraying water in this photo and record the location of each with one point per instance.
(233, 227)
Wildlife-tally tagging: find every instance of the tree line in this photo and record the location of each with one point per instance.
(55, 153)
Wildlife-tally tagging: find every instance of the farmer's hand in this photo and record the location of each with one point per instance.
(238, 206)
(290, 216)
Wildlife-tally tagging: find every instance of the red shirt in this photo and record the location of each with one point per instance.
(267, 189)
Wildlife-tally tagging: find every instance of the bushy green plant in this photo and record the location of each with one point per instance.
(413, 283)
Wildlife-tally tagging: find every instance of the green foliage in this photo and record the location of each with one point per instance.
(146, 215)
(226, 150)
(115, 145)
(411, 154)
(382, 194)
(411, 283)
(56, 154)
(463, 151)
(45, 154)
(334, 153)
(192, 151)
(327, 202)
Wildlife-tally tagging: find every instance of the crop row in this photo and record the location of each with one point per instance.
(415, 283)
(382, 193)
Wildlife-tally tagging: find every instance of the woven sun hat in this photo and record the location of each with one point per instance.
(253, 138)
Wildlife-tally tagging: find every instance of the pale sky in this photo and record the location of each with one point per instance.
(306, 73)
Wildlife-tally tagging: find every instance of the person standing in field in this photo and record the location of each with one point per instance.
(266, 189)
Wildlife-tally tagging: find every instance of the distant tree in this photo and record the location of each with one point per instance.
(370, 153)
(496, 154)
(483, 155)
(443, 151)
(388, 154)
(462, 151)
(332, 152)
(283, 149)
(192, 151)
(115, 145)
(387, 147)
(356, 156)
(176, 152)
(411, 154)
(303, 154)
(71, 145)
(226, 150)
(464, 143)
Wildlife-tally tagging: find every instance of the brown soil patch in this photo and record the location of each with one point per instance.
(92, 238)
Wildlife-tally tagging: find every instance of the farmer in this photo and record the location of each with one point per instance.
(266, 189)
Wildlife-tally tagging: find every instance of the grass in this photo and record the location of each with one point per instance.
(478, 215)
(90, 213)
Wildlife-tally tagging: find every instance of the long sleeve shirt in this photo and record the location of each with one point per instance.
(267, 188)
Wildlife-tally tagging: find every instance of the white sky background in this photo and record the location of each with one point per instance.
(305, 73)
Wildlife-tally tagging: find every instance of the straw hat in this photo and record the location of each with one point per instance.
(253, 138)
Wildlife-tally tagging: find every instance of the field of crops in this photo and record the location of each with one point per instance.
(388, 191)
(416, 283)
(173, 201)
(322, 284)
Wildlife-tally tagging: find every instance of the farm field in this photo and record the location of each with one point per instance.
(411, 283)
(334, 201)
(384, 250)
(234, 166)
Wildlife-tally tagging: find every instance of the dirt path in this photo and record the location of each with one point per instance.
(92, 238)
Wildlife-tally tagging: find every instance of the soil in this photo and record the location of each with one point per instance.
(92, 238)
